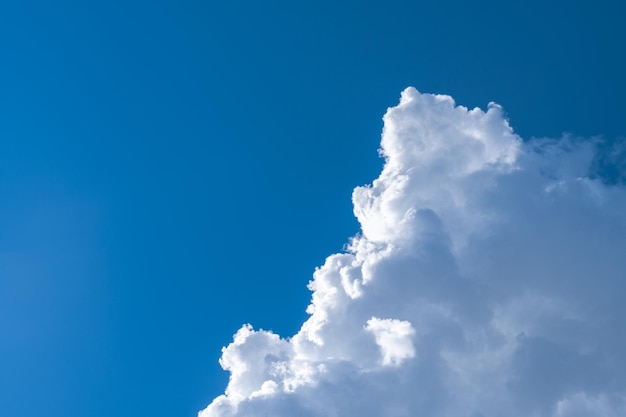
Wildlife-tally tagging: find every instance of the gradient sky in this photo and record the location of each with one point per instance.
(172, 170)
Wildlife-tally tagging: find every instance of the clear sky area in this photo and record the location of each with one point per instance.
(170, 171)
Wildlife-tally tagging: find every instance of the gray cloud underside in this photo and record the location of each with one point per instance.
(488, 281)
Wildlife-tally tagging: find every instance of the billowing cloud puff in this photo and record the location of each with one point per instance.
(488, 280)
(394, 339)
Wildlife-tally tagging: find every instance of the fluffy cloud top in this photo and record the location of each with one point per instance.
(488, 280)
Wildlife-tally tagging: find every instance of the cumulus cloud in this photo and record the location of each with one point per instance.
(394, 339)
(488, 280)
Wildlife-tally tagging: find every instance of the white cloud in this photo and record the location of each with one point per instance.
(488, 281)
(583, 405)
(393, 337)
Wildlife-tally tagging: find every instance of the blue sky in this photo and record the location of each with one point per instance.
(172, 170)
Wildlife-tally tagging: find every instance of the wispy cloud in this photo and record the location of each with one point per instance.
(488, 280)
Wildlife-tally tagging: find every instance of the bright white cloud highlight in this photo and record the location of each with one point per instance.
(488, 280)
(393, 337)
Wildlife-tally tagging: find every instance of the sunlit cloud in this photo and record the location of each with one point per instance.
(487, 280)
